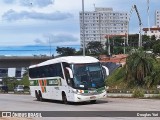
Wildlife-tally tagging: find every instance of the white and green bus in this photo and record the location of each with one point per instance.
(71, 78)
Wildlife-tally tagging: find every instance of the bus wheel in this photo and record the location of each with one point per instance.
(64, 98)
(93, 101)
(37, 96)
(40, 97)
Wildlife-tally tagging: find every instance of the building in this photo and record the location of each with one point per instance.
(157, 18)
(155, 30)
(14, 66)
(102, 22)
(12, 72)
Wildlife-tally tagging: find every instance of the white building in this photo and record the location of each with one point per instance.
(157, 18)
(11, 72)
(102, 22)
(155, 30)
(152, 31)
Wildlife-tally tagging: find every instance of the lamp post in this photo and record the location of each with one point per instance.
(83, 28)
(124, 47)
(109, 47)
(148, 19)
(49, 42)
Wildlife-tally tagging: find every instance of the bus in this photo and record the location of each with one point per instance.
(68, 79)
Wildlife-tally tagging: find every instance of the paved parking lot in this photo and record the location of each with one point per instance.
(15, 102)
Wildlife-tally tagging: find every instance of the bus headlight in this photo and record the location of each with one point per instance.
(74, 91)
(103, 91)
(78, 91)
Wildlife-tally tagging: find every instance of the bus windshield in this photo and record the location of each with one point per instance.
(88, 76)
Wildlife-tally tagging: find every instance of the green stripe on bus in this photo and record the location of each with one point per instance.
(85, 91)
(99, 90)
(50, 82)
(34, 83)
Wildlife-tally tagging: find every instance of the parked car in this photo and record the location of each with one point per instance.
(19, 88)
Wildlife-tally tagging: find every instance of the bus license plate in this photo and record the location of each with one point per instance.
(92, 97)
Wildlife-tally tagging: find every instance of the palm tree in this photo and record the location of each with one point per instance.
(139, 65)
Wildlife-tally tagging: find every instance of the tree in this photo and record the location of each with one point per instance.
(66, 51)
(156, 47)
(11, 82)
(95, 47)
(14, 81)
(24, 81)
(145, 38)
(139, 65)
(116, 45)
(147, 43)
(79, 52)
(153, 37)
(26, 71)
(5, 80)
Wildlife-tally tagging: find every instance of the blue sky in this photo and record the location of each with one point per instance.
(28, 23)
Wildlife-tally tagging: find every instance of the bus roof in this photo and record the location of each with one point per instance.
(68, 59)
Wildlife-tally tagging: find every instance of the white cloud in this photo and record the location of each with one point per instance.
(9, 1)
(58, 39)
(38, 41)
(12, 15)
(39, 3)
(29, 3)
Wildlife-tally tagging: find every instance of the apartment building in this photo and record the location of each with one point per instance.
(157, 18)
(102, 22)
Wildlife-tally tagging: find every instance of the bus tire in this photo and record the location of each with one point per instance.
(64, 98)
(93, 101)
(40, 96)
(37, 96)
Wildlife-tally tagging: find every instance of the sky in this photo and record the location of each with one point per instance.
(30, 27)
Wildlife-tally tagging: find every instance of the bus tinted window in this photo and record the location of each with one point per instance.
(53, 70)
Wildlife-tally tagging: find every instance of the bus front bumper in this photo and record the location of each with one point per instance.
(81, 97)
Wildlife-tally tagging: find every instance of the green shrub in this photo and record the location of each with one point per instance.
(116, 79)
(138, 93)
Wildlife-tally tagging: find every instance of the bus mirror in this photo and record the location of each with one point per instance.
(106, 70)
(70, 72)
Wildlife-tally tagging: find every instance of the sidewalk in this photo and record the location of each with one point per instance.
(129, 95)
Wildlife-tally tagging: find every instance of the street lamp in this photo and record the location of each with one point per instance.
(83, 28)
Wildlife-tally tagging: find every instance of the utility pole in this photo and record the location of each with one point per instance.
(83, 28)
(100, 27)
(109, 47)
(148, 19)
(49, 42)
(124, 49)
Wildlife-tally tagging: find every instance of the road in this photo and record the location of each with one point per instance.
(15, 102)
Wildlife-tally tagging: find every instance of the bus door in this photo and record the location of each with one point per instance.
(70, 83)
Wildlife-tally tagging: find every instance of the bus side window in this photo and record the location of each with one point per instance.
(59, 70)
